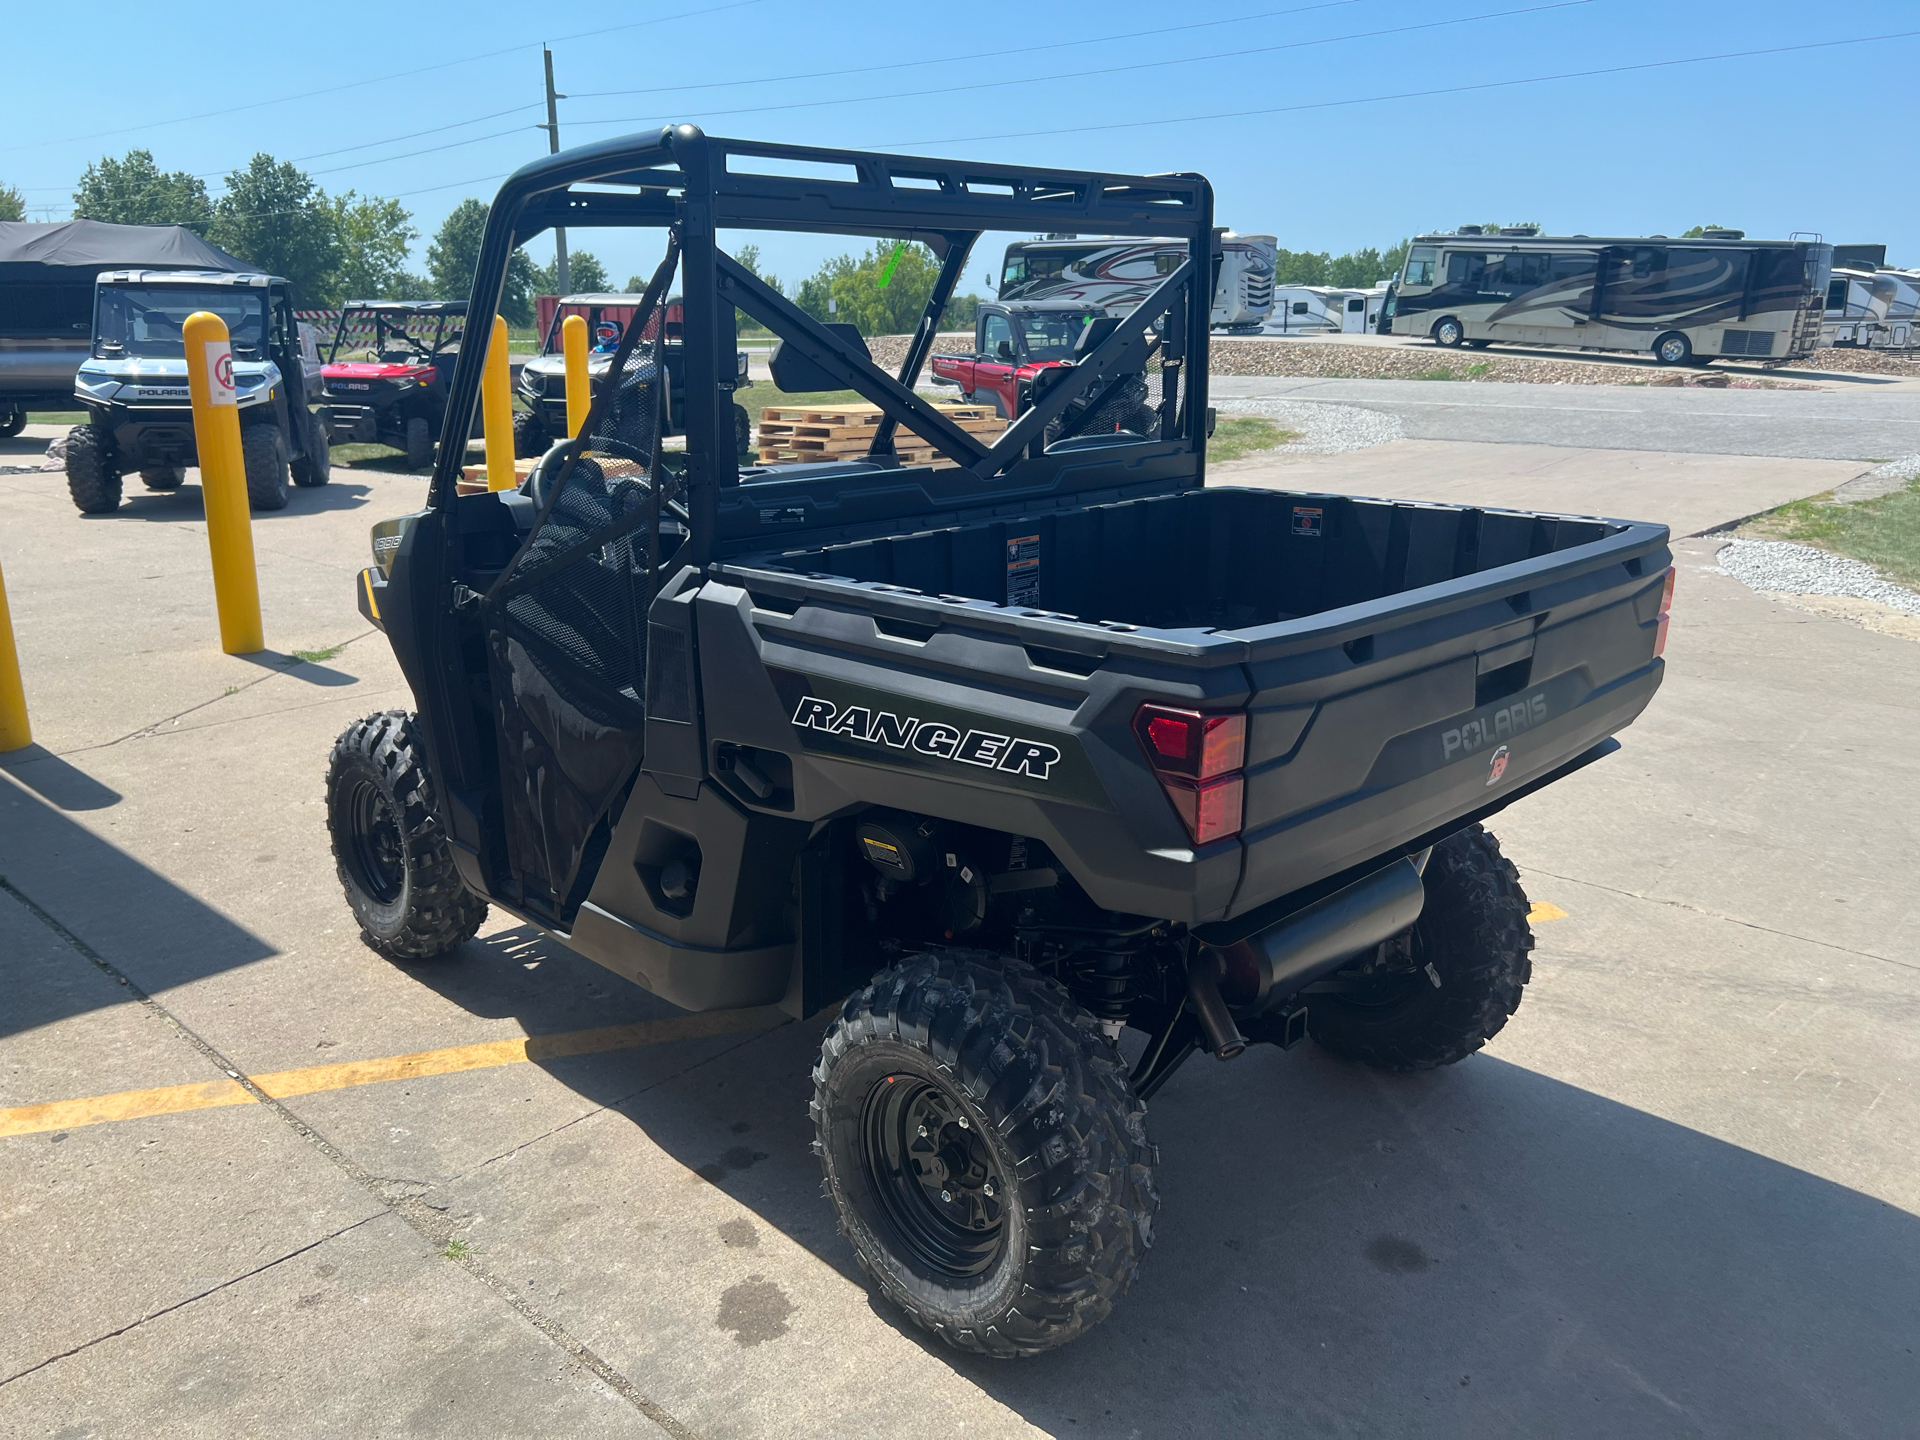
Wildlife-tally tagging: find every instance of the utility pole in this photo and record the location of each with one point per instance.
(552, 127)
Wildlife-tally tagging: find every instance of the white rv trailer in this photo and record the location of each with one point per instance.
(1325, 310)
(1877, 309)
(1720, 294)
(1118, 272)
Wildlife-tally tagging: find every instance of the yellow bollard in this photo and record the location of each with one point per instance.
(14, 731)
(496, 411)
(223, 482)
(573, 340)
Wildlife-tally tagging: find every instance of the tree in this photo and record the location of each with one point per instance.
(275, 217)
(13, 205)
(374, 236)
(135, 191)
(455, 254)
(849, 288)
(585, 274)
(1699, 230)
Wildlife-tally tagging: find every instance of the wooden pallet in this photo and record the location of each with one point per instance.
(789, 434)
(473, 478)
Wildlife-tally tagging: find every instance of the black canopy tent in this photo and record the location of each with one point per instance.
(47, 271)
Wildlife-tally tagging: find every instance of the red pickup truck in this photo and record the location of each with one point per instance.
(1013, 342)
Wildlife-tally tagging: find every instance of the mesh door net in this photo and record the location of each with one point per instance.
(567, 639)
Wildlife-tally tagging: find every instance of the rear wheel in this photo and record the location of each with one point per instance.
(263, 459)
(93, 471)
(12, 423)
(420, 443)
(742, 430)
(529, 435)
(986, 1155)
(393, 858)
(1449, 333)
(316, 466)
(163, 477)
(1460, 975)
(1673, 348)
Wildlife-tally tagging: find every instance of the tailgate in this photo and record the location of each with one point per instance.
(1365, 735)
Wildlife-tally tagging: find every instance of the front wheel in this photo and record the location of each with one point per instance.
(93, 470)
(263, 460)
(394, 860)
(12, 423)
(986, 1155)
(420, 443)
(1449, 333)
(529, 435)
(1446, 988)
(1673, 348)
(316, 466)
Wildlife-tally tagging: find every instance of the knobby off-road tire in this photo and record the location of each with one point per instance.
(1470, 950)
(419, 445)
(742, 430)
(263, 459)
(163, 477)
(93, 471)
(1022, 1212)
(393, 859)
(316, 466)
(529, 435)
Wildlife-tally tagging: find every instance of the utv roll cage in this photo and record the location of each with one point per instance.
(692, 185)
(449, 317)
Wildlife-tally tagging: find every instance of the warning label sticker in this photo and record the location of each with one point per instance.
(220, 389)
(1023, 570)
(1308, 520)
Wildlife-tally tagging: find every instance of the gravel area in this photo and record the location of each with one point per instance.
(1334, 361)
(1862, 362)
(1881, 480)
(1321, 428)
(1786, 568)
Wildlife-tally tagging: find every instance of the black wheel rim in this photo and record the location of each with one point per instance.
(375, 850)
(939, 1190)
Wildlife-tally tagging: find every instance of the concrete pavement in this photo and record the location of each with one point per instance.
(1675, 1196)
(1874, 417)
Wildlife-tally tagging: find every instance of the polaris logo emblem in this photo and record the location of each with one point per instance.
(1501, 725)
(1007, 753)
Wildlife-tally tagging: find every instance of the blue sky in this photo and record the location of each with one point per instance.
(1809, 139)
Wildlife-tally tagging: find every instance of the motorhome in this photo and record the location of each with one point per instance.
(1117, 273)
(1683, 300)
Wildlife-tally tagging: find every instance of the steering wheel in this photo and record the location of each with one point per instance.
(537, 485)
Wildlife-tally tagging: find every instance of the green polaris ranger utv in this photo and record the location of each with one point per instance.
(1043, 767)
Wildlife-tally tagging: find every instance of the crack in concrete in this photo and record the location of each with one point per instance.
(189, 1300)
(154, 727)
(426, 1220)
(1722, 915)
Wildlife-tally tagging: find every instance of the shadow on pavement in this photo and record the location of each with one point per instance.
(105, 896)
(311, 671)
(1339, 1251)
(55, 781)
(172, 507)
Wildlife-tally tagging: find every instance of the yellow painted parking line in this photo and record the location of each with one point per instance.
(1544, 910)
(284, 1084)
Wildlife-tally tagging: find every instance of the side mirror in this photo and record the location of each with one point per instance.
(1006, 350)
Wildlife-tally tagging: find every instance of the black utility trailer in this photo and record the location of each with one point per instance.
(1002, 759)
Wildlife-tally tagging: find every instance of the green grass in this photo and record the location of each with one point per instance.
(457, 1250)
(1447, 372)
(1236, 437)
(314, 657)
(763, 395)
(1884, 532)
(56, 417)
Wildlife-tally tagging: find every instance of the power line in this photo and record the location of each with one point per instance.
(378, 79)
(1400, 95)
(999, 54)
(1122, 69)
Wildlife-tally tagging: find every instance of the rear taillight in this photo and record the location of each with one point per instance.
(1666, 604)
(1197, 758)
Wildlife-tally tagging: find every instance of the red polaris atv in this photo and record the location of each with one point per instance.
(1019, 344)
(386, 376)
